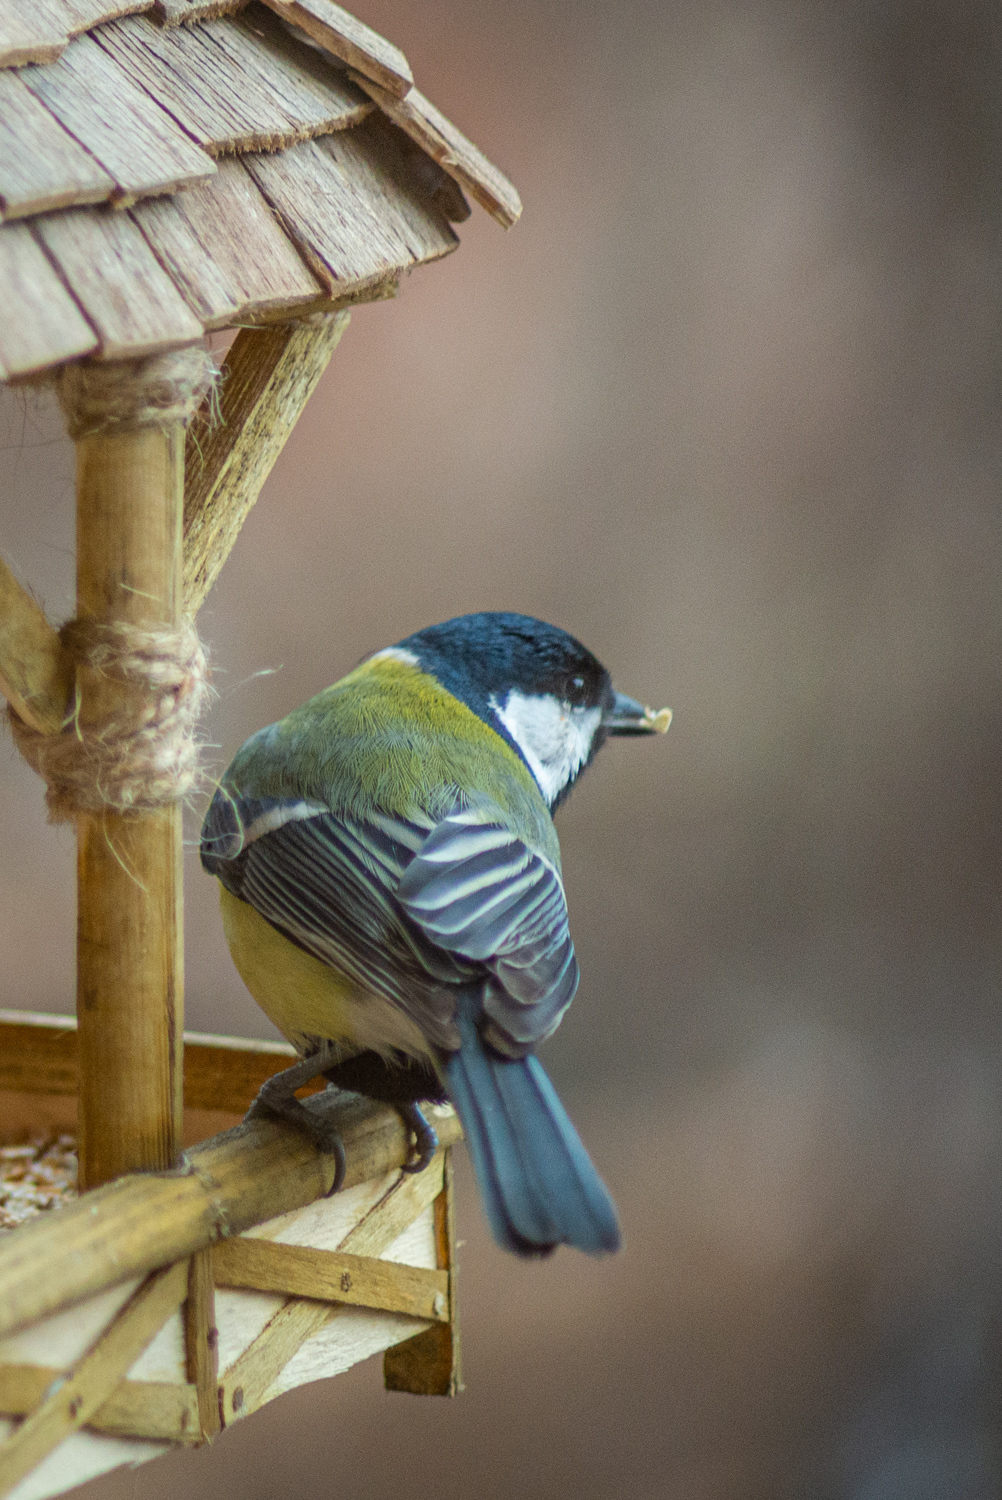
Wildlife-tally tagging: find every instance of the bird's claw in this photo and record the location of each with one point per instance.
(273, 1104)
(425, 1138)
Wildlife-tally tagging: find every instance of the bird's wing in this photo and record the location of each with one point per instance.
(409, 909)
(328, 882)
(475, 889)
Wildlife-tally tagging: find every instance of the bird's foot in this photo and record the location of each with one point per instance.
(276, 1100)
(425, 1137)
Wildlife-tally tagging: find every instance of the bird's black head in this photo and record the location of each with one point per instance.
(535, 684)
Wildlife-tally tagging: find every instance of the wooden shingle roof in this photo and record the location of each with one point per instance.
(173, 166)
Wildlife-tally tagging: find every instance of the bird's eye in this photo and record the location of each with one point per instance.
(578, 683)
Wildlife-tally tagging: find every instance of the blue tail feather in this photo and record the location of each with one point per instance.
(538, 1184)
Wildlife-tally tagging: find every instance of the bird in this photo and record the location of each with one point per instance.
(392, 896)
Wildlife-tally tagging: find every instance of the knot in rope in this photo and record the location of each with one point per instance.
(144, 754)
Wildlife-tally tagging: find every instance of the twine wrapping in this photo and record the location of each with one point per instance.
(124, 394)
(146, 756)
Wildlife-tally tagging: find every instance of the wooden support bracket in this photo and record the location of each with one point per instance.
(156, 1409)
(271, 374)
(34, 674)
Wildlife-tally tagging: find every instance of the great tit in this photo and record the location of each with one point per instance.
(392, 897)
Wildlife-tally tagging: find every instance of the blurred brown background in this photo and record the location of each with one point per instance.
(724, 404)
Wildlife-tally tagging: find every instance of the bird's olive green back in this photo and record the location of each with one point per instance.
(389, 738)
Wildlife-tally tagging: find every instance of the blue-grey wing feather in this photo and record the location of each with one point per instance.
(475, 888)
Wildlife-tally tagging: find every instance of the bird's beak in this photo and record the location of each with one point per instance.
(627, 716)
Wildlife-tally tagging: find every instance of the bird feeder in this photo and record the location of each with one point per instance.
(168, 170)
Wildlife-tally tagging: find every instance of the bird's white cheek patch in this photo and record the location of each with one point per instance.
(554, 736)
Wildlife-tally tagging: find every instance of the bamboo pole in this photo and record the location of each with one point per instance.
(130, 492)
(230, 1183)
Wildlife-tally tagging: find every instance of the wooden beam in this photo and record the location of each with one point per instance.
(331, 1276)
(228, 1184)
(74, 1399)
(161, 1410)
(130, 988)
(272, 372)
(201, 1342)
(34, 675)
(38, 1055)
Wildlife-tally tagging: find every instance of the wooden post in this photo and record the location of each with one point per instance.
(429, 1363)
(130, 493)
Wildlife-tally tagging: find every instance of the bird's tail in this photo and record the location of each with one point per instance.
(536, 1179)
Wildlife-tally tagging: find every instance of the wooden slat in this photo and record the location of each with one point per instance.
(41, 166)
(244, 1386)
(30, 32)
(332, 1276)
(231, 90)
(136, 141)
(160, 1410)
(40, 323)
(429, 1364)
(72, 1403)
(126, 294)
(201, 1341)
(35, 676)
(83, 15)
(38, 1054)
(225, 251)
(349, 39)
(156, 1409)
(353, 220)
(271, 374)
(450, 148)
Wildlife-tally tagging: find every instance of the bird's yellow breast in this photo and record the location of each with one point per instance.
(308, 1000)
(300, 995)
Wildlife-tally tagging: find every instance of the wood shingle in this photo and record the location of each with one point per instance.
(178, 166)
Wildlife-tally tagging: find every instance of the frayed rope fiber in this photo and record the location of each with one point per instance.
(146, 756)
(123, 394)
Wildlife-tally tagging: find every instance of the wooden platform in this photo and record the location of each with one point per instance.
(136, 1355)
